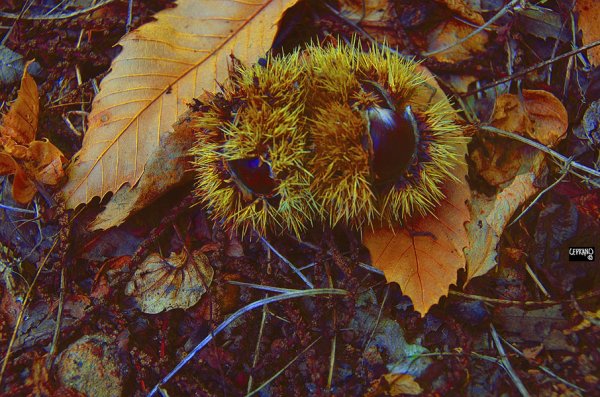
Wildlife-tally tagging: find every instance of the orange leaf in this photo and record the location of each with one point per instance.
(23, 189)
(7, 164)
(490, 215)
(48, 161)
(21, 121)
(450, 32)
(464, 10)
(424, 257)
(589, 14)
(163, 65)
(549, 116)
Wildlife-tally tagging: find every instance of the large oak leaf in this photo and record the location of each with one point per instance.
(163, 65)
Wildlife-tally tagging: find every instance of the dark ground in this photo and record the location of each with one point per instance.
(370, 327)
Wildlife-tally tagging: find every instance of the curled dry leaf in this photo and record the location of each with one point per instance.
(21, 122)
(163, 65)
(394, 385)
(374, 10)
(178, 282)
(538, 115)
(23, 189)
(20, 154)
(464, 10)
(450, 32)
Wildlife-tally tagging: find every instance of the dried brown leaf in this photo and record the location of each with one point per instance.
(589, 15)
(537, 114)
(424, 257)
(163, 65)
(463, 9)
(21, 122)
(490, 215)
(23, 189)
(47, 161)
(178, 282)
(450, 32)
(548, 116)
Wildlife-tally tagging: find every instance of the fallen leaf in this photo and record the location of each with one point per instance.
(424, 257)
(394, 385)
(402, 384)
(589, 129)
(589, 14)
(168, 163)
(538, 115)
(450, 32)
(548, 116)
(48, 162)
(490, 215)
(40, 160)
(405, 255)
(21, 121)
(510, 114)
(464, 10)
(175, 283)
(374, 10)
(163, 65)
(498, 160)
(23, 189)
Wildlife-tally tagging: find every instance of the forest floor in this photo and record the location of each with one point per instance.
(70, 326)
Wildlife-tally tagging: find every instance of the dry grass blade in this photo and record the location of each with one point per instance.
(163, 65)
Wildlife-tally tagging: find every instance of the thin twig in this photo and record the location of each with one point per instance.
(129, 16)
(536, 280)
(15, 209)
(564, 159)
(73, 14)
(235, 316)
(24, 308)
(589, 295)
(287, 262)
(272, 378)
(539, 196)
(59, 315)
(263, 320)
(532, 68)
(542, 367)
(19, 17)
(506, 363)
(498, 15)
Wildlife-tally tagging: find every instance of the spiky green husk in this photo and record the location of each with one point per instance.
(260, 113)
(305, 115)
(343, 181)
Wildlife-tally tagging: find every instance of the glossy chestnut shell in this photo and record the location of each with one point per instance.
(254, 174)
(394, 140)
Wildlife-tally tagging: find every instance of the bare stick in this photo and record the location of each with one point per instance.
(563, 159)
(235, 316)
(290, 264)
(24, 308)
(532, 68)
(506, 363)
(73, 14)
(499, 15)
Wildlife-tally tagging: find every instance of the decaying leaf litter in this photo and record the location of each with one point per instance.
(533, 304)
